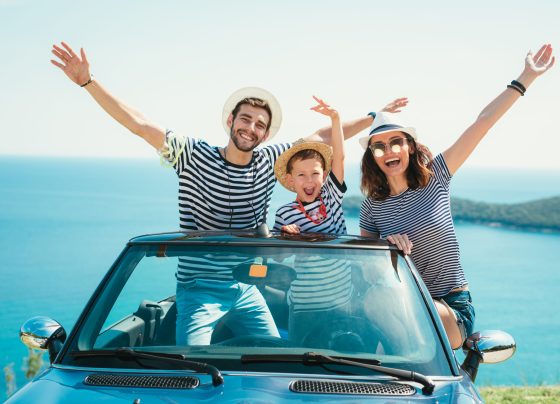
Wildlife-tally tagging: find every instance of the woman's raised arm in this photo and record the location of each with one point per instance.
(535, 65)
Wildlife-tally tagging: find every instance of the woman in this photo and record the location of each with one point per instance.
(408, 197)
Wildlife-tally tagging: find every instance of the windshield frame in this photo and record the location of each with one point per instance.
(436, 320)
(128, 258)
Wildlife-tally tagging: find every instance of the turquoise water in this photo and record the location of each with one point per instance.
(63, 222)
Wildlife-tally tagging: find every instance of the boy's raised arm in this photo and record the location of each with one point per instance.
(336, 139)
(76, 69)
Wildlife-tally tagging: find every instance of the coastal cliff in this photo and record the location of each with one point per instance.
(539, 215)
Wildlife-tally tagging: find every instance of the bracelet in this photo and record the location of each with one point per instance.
(87, 82)
(513, 87)
(518, 84)
(373, 115)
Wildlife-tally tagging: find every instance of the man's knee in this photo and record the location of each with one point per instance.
(189, 332)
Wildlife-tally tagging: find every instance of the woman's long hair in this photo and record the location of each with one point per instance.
(374, 182)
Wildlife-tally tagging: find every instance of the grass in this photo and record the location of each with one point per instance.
(518, 395)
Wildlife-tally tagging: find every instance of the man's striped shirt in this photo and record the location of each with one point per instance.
(423, 214)
(215, 194)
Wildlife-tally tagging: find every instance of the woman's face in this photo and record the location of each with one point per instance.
(391, 152)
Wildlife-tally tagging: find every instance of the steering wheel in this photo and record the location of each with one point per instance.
(352, 334)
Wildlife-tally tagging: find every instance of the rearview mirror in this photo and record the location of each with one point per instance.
(278, 276)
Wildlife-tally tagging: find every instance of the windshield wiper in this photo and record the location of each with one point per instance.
(317, 359)
(129, 353)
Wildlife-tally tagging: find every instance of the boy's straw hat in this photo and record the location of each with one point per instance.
(282, 162)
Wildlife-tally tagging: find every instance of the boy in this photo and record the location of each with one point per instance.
(315, 172)
(321, 292)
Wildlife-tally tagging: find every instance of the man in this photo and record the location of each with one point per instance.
(219, 188)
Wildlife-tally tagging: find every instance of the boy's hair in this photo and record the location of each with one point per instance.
(254, 102)
(305, 154)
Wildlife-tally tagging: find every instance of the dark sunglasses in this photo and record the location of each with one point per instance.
(379, 148)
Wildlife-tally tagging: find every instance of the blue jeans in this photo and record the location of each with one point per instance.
(461, 303)
(202, 303)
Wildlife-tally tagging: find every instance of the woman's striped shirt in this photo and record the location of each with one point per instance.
(215, 194)
(423, 214)
(322, 282)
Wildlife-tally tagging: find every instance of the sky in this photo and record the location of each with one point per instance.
(178, 61)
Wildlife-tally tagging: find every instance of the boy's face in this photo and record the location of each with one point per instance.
(307, 178)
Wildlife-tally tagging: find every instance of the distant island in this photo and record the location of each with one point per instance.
(541, 215)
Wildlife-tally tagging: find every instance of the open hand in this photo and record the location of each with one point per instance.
(402, 242)
(74, 66)
(323, 108)
(291, 229)
(395, 105)
(541, 61)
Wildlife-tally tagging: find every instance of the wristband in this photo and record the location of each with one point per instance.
(518, 84)
(87, 82)
(514, 87)
(373, 115)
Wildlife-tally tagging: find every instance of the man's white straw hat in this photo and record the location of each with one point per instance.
(254, 92)
(383, 123)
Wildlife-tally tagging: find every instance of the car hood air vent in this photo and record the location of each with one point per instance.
(158, 382)
(330, 387)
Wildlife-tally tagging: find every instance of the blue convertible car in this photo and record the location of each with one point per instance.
(345, 318)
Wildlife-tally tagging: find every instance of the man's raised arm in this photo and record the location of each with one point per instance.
(76, 69)
(354, 127)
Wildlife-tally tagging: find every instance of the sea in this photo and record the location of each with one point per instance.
(63, 221)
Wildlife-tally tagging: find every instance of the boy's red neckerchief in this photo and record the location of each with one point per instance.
(319, 217)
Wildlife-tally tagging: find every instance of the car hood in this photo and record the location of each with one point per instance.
(67, 386)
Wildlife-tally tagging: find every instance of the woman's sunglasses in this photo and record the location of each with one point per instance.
(379, 148)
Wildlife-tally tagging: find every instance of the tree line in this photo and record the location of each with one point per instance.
(541, 214)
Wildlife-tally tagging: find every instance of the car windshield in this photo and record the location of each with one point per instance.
(216, 303)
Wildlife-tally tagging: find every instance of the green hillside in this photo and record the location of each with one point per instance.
(521, 394)
(540, 215)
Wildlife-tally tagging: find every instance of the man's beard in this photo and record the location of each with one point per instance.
(238, 143)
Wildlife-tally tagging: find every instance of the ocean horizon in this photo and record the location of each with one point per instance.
(63, 222)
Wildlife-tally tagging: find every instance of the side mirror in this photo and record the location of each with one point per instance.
(43, 333)
(490, 346)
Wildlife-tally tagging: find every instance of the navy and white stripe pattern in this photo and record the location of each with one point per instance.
(385, 128)
(424, 215)
(215, 194)
(332, 193)
(321, 283)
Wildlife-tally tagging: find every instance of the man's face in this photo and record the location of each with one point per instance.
(248, 129)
